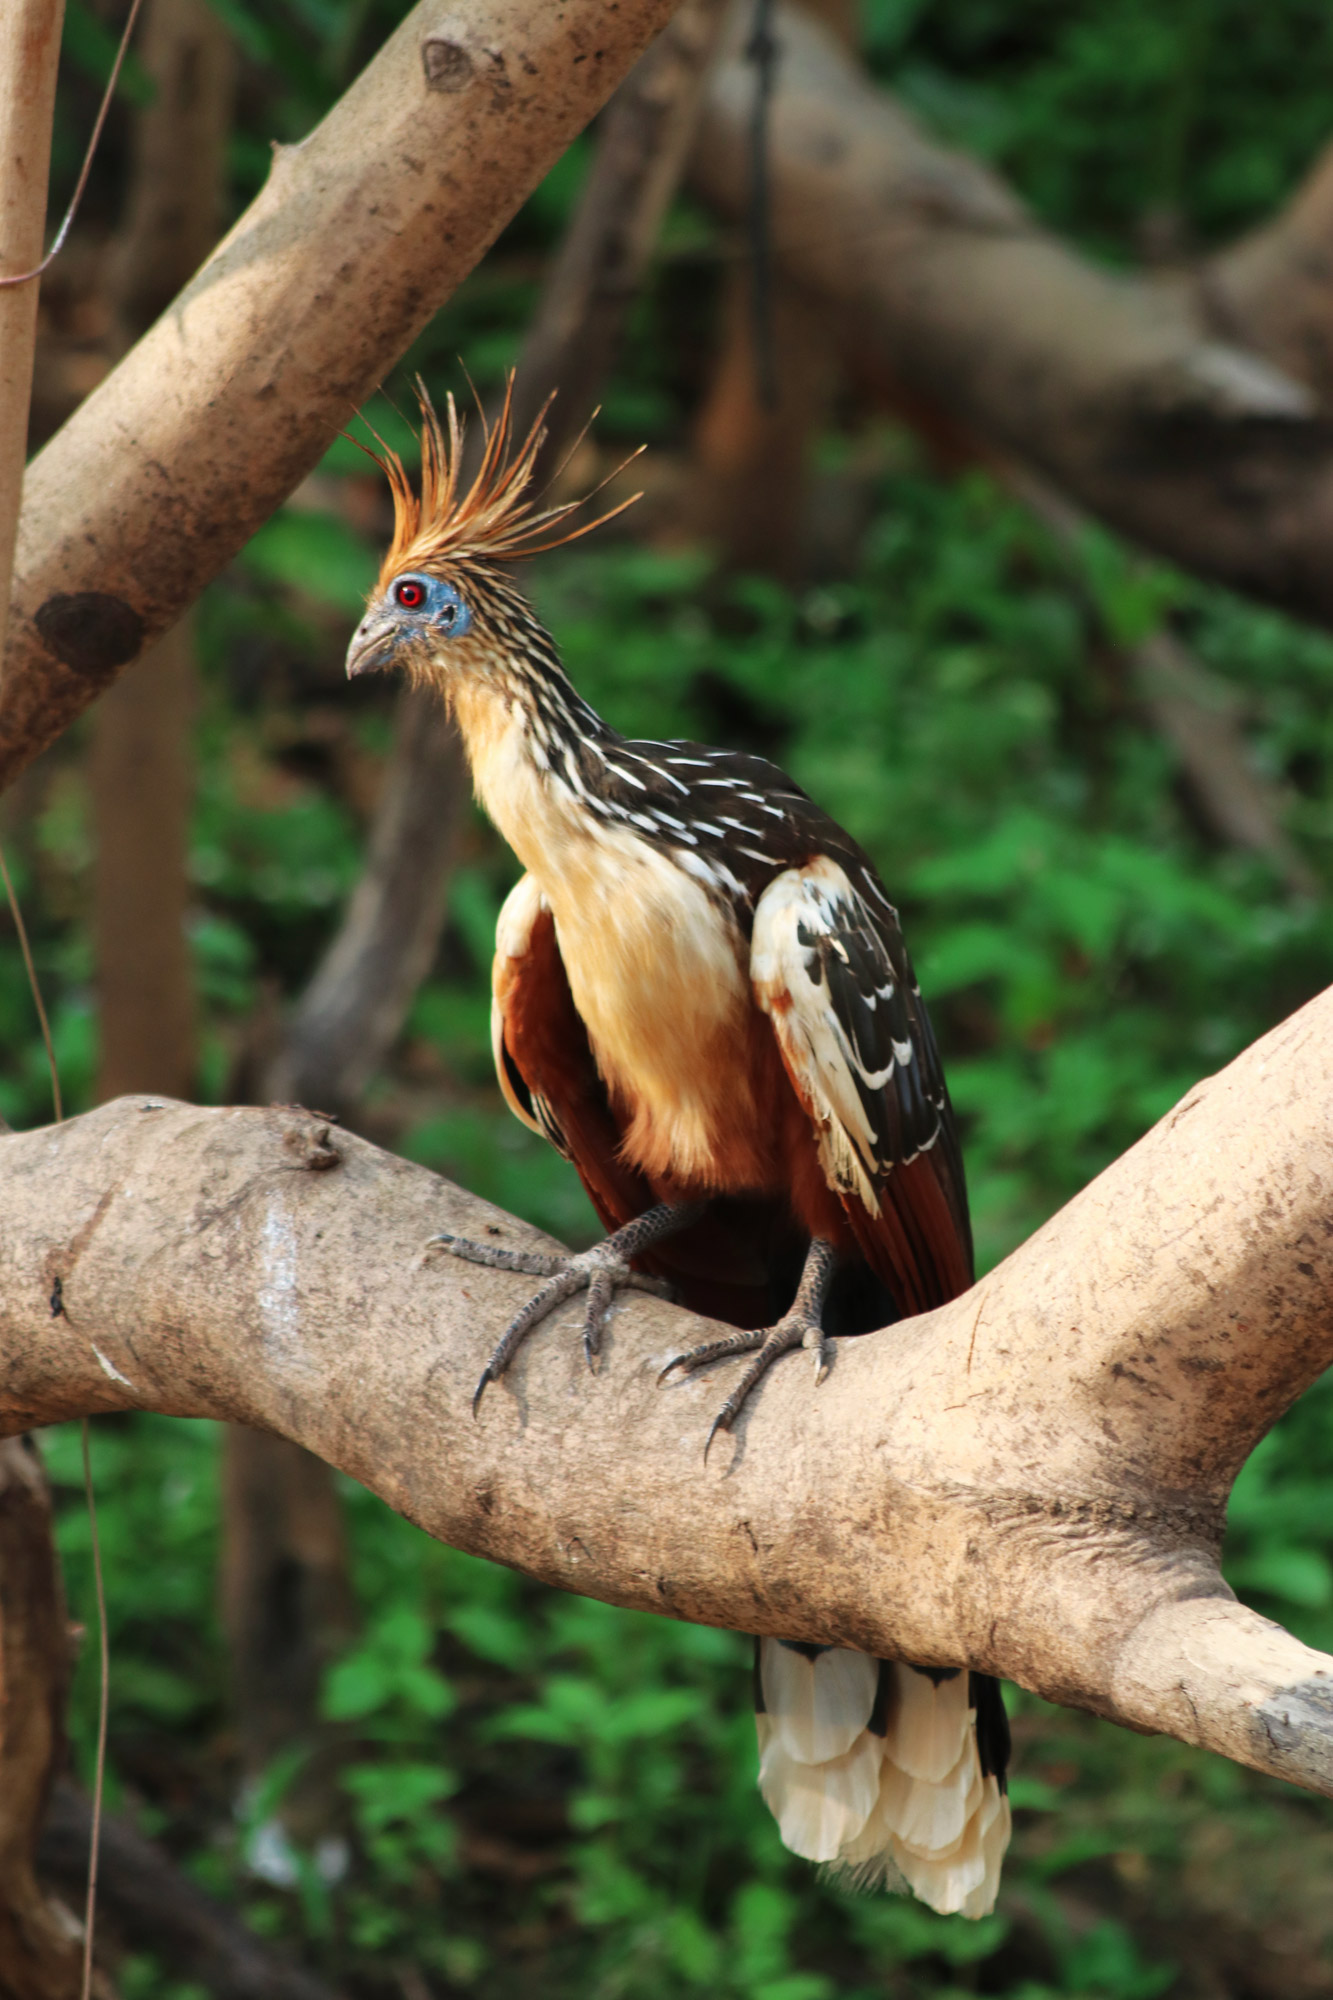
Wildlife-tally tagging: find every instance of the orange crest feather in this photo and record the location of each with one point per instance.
(495, 519)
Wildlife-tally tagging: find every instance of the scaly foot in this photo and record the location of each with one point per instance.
(601, 1272)
(799, 1327)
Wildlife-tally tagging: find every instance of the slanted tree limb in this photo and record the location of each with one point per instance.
(1195, 710)
(1031, 1479)
(361, 233)
(350, 1014)
(154, 1904)
(1135, 395)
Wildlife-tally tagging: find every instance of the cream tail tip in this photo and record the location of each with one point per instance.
(939, 1823)
(890, 1794)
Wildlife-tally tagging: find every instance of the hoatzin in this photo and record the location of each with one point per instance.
(702, 998)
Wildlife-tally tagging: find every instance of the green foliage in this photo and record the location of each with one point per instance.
(539, 1793)
(1109, 112)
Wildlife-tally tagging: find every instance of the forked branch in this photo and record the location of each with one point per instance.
(1032, 1479)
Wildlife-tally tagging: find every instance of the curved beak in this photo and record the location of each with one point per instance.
(374, 643)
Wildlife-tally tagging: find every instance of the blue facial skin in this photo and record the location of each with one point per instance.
(432, 606)
(441, 607)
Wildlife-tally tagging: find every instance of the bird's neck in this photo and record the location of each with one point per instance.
(531, 742)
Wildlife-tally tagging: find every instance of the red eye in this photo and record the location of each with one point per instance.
(409, 593)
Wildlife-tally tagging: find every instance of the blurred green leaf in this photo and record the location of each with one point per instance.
(316, 554)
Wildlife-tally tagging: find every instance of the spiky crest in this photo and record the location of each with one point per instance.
(495, 519)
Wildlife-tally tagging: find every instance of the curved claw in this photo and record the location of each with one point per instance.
(714, 1350)
(721, 1422)
(601, 1292)
(766, 1344)
(602, 1277)
(534, 1263)
(601, 1272)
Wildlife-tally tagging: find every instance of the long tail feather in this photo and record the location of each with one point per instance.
(891, 1774)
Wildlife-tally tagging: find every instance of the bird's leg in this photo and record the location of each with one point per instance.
(800, 1326)
(601, 1272)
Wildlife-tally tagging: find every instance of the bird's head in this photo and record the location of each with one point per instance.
(443, 608)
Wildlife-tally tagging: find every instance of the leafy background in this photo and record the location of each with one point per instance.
(539, 1792)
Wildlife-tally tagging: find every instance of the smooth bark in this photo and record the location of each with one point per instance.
(140, 778)
(753, 441)
(753, 462)
(1032, 1479)
(362, 232)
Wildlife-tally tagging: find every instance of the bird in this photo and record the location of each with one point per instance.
(702, 998)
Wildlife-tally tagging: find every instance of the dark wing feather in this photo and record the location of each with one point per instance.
(831, 971)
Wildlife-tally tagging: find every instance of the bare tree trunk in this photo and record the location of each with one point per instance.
(141, 767)
(1032, 1479)
(41, 1951)
(140, 774)
(753, 461)
(177, 194)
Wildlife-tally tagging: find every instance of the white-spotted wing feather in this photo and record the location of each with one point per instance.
(850, 1026)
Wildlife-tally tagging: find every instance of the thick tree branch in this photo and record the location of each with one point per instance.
(1270, 291)
(1031, 1479)
(362, 232)
(1133, 394)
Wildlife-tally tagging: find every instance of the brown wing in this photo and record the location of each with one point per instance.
(543, 1060)
(550, 1080)
(834, 978)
